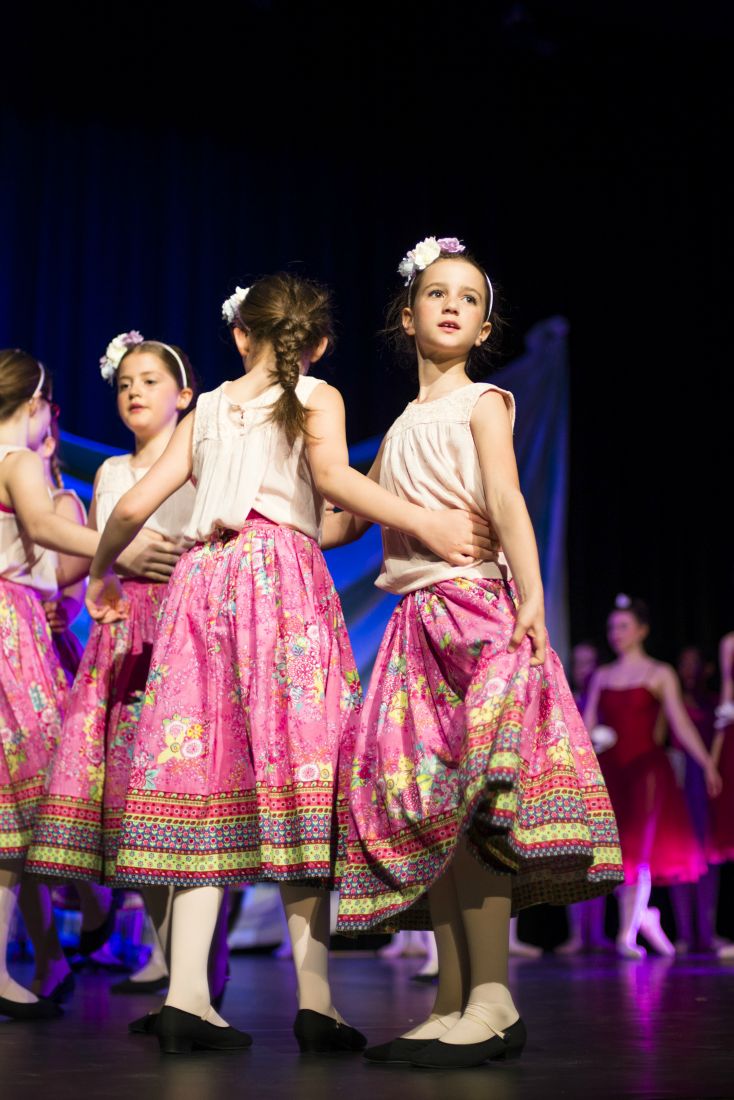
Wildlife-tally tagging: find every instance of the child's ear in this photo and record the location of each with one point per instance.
(47, 448)
(319, 350)
(408, 322)
(242, 339)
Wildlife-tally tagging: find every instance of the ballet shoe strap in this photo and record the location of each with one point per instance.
(475, 1015)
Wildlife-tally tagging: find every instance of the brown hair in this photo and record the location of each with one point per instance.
(293, 315)
(20, 374)
(481, 360)
(54, 461)
(155, 347)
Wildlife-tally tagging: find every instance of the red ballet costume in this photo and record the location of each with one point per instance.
(654, 825)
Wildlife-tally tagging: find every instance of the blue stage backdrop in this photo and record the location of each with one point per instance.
(539, 380)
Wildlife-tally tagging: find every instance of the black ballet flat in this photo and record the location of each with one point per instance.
(94, 938)
(319, 1034)
(127, 986)
(42, 1009)
(181, 1032)
(63, 990)
(438, 1055)
(397, 1050)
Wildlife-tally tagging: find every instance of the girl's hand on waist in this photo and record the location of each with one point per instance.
(151, 556)
(56, 616)
(458, 537)
(104, 600)
(530, 622)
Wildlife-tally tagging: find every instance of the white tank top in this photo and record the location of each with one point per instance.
(429, 458)
(21, 560)
(242, 461)
(116, 476)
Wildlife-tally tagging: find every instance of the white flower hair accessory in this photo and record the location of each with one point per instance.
(232, 304)
(424, 253)
(428, 250)
(116, 349)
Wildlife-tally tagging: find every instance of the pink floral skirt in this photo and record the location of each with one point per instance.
(244, 748)
(33, 694)
(77, 828)
(460, 737)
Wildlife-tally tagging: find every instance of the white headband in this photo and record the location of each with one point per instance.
(179, 360)
(427, 252)
(41, 380)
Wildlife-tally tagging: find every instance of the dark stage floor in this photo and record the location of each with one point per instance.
(599, 1028)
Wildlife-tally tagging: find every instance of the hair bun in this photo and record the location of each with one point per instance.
(622, 602)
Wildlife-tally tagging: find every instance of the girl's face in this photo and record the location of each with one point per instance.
(448, 314)
(625, 632)
(148, 398)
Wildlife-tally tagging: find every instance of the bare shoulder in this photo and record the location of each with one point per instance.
(325, 398)
(68, 505)
(491, 412)
(662, 674)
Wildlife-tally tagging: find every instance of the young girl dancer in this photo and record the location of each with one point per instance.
(474, 778)
(33, 686)
(76, 831)
(245, 740)
(659, 846)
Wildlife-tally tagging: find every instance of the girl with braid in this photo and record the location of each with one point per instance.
(244, 747)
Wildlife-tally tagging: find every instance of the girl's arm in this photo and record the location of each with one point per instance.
(169, 473)
(456, 536)
(71, 592)
(591, 710)
(492, 431)
(341, 528)
(668, 687)
(726, 664)
(26, 484)
(149, 555)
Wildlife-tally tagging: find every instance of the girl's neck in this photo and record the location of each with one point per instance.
(14, 430)
(436, 379)
(632, 659)
(150, 448)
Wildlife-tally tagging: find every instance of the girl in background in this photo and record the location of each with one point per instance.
(659, 846)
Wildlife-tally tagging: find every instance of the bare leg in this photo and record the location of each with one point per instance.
(485, 901)
(574, 943)
(307, 915)
(682, 899)
(193, 922)
(430, 950)
(34, 900)
(453, 961)
(519, 948)
(632, 907)
(9, 988)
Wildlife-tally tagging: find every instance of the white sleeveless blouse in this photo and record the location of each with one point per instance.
(242, 462)
(429, 458)
(22, 561)
(116, 476)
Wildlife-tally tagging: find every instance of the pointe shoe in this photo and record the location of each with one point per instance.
(182, 1032)
(627, 950)
(568, 947)
(652, 931)
(42, 1009)
(502, 1046)
(319, 1034)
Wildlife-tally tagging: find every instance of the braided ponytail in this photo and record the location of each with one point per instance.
(293, 315)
